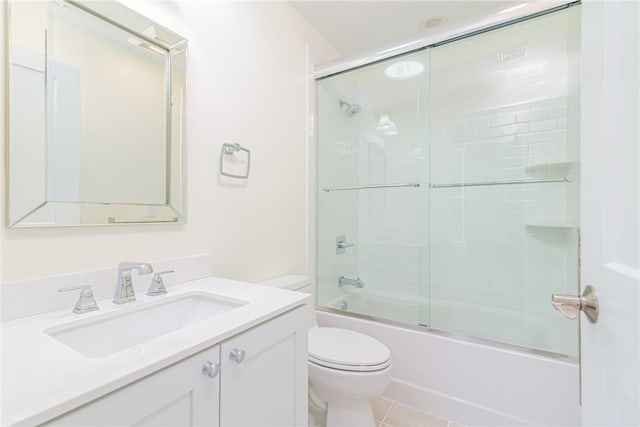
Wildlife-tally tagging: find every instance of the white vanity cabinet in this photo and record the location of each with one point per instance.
(178, 395)
(262, 383)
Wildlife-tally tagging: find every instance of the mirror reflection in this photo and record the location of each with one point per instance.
(95, 116)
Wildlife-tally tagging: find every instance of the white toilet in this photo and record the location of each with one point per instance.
(347, 369)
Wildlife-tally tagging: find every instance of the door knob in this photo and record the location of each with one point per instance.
(211, 369)
(571, 305)
(237, 355)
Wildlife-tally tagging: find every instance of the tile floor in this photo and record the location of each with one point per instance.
(389, 413)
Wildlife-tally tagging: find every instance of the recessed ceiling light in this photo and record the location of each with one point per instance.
(435, 21)
(404, 70)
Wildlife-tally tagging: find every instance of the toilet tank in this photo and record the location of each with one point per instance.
(291, 282)
(294, 283)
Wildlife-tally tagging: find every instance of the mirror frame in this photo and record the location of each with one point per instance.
(174, 210)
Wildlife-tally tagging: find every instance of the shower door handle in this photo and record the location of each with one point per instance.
(571, 305)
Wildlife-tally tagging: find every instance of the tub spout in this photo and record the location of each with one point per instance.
(344, 281)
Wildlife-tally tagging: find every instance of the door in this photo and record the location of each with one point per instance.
(610, 212)
(372, 165)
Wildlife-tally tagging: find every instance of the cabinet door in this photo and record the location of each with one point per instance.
(263, 374)
(179, 395)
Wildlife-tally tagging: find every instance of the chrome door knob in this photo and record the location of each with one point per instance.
(237, 355)
(571, 305)
(211, 369)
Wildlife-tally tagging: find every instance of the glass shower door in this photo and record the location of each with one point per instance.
(505, 208)
(449, 185)
(373, 161)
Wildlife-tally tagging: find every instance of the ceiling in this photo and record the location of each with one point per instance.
(358, 27)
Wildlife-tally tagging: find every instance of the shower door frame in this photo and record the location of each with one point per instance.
(318, 72)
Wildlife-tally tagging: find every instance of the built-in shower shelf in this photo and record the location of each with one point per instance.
(558, 170)
(552, 225)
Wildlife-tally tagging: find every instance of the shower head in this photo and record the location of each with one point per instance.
(350, 110)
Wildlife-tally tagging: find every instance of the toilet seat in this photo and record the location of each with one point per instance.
(347, 350)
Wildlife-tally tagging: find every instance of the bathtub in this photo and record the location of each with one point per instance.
(538, 330)
(471, 382)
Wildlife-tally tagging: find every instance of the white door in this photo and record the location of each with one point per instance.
(610, 211)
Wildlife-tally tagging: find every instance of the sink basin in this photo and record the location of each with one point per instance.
(121, 329)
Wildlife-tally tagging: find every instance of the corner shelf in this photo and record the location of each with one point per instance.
(557, 170)
(553, 225)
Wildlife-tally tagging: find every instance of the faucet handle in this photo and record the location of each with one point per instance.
(86, 303)
(156, 287)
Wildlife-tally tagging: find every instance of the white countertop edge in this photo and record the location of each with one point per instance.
(127, 366)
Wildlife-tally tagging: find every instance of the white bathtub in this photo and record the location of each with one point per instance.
(471, 383)
(547, 331)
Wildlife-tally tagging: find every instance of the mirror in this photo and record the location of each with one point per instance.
(96, 111)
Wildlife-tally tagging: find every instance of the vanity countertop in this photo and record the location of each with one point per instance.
(43, 378)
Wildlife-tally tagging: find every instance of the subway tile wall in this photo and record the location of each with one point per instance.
(481, 260)
(497, 144)
(393, 257)
(499, 251)
(478, 260)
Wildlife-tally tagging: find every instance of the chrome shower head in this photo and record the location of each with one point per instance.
(351, 110)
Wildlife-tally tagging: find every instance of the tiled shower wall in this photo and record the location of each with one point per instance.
(393, 223)
(499, 251)
(498, 144)
(477, 259)
(337, 211)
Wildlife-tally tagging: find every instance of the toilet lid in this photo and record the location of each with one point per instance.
(345, 349)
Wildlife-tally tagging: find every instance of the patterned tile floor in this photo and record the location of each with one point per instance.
(389, 413)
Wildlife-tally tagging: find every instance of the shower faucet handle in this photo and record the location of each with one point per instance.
(342, 245)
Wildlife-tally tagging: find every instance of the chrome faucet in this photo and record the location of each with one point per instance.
(345, 281)
(124, 290)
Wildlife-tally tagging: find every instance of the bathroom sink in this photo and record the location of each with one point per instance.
(121, 329)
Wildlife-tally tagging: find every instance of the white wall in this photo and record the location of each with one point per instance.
(247, 81)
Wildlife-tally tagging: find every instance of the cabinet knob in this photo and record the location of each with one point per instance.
(211, 369)
(237, 355)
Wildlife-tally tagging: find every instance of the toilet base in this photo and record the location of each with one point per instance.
(350, 413)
